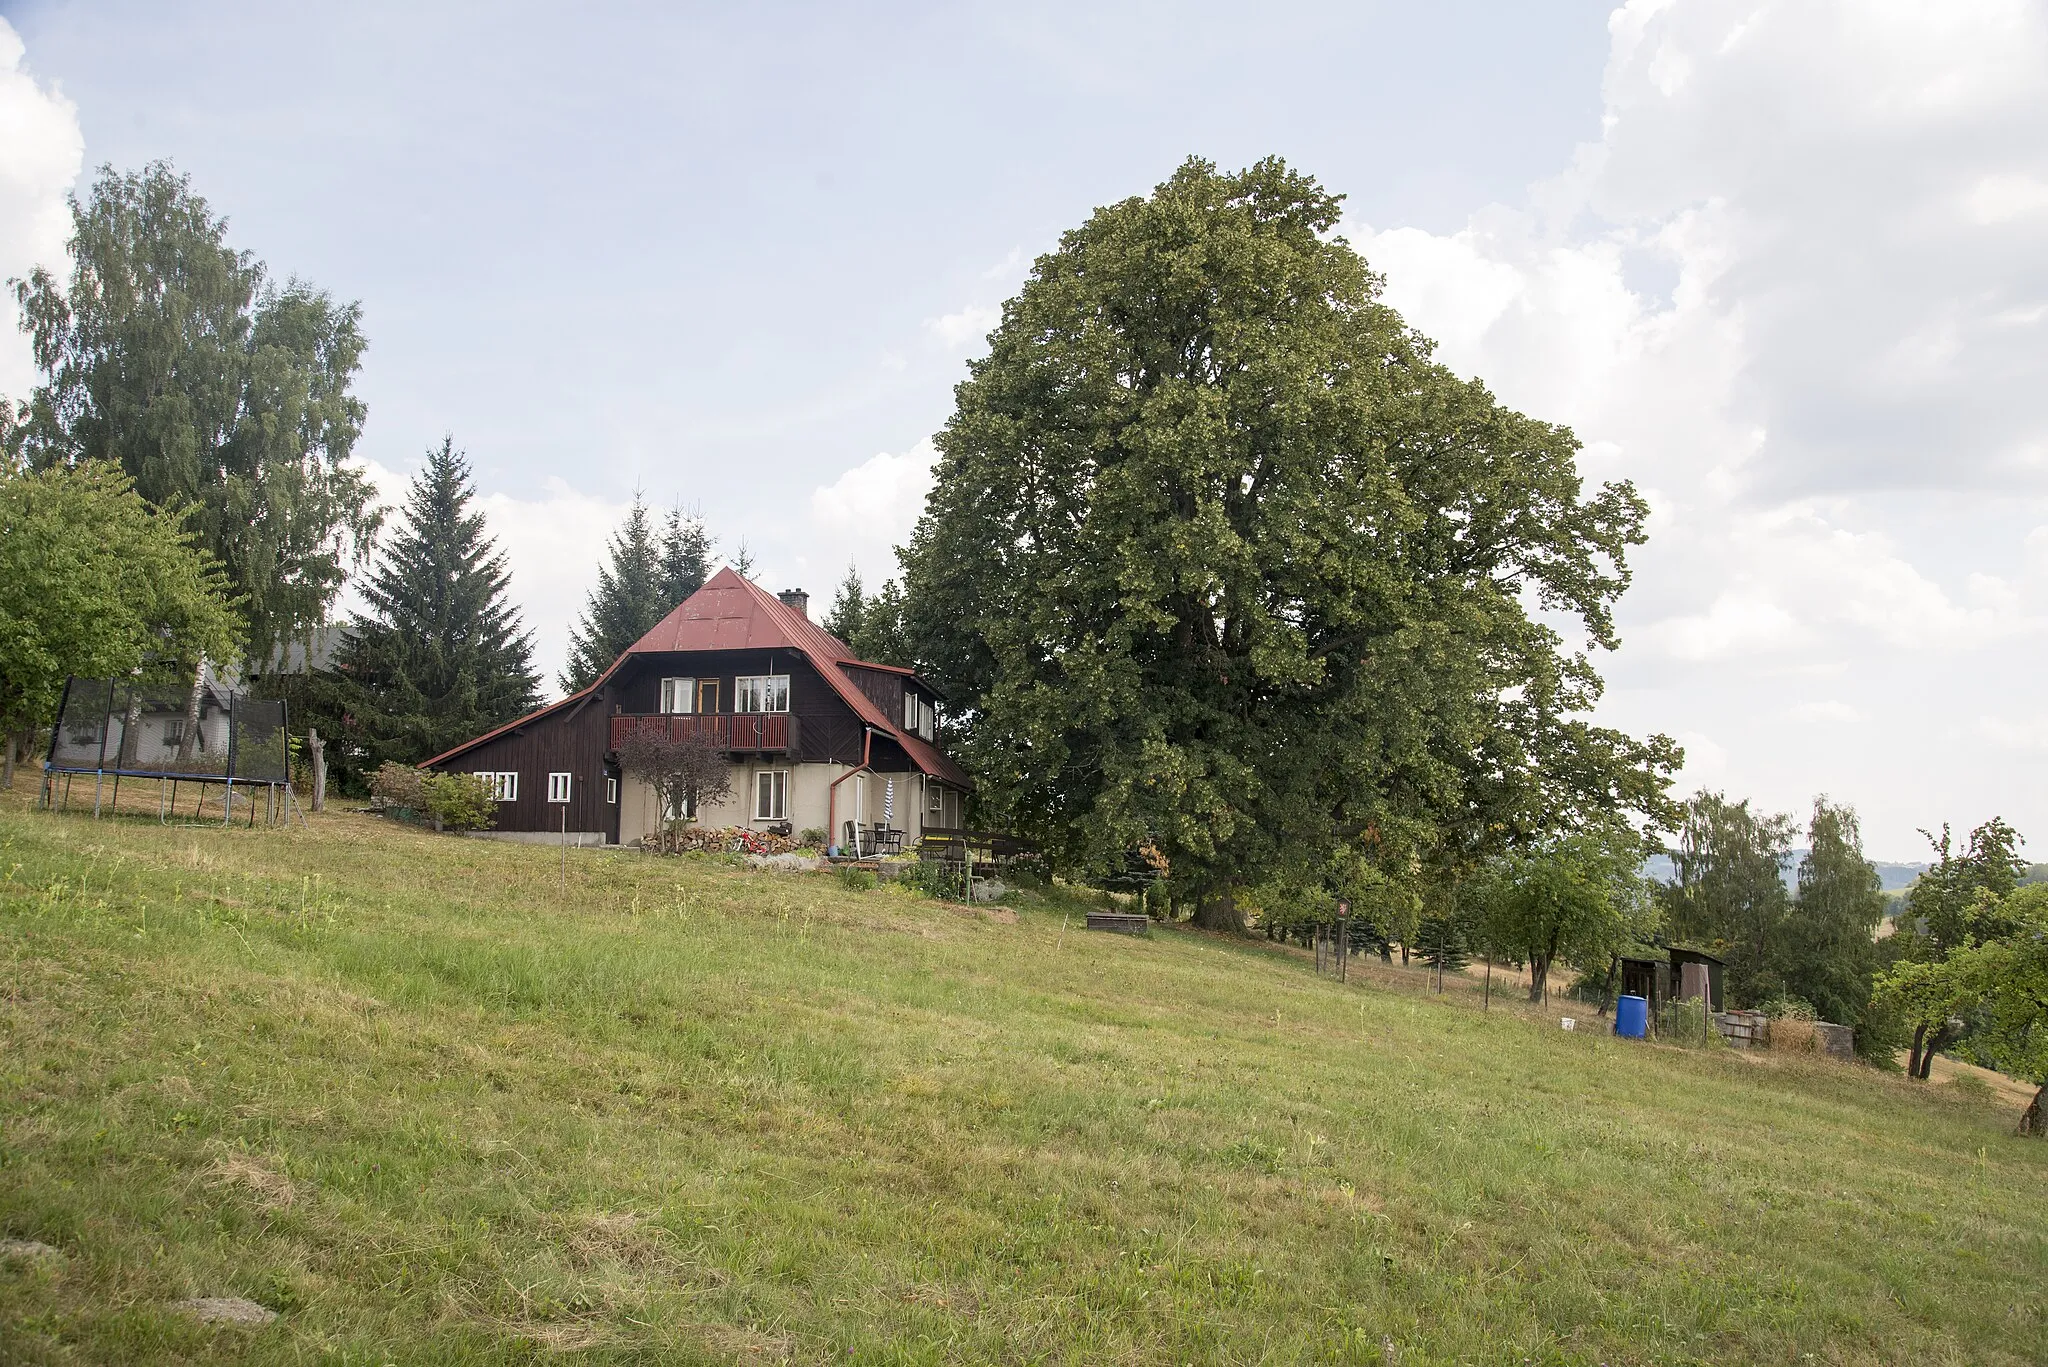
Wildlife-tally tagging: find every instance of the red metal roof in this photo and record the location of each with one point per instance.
(732, 613)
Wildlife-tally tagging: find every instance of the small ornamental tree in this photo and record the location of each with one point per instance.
(1575, 898)
(2002, 985)
(685, 772)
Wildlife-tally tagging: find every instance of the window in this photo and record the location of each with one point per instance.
(761, 693)
(917, 714)
(504, 785)
(685, 809)
(934, 799)
(771, 795)
(611, 791)
(679, 695)
(558, 787)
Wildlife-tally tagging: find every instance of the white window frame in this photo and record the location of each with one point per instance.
(678, 696)
(771, 795)
(772, 689)
(504, 783)
(611, 791)
(917, 714)
(934, 799)
(688, 812)
(561, 786)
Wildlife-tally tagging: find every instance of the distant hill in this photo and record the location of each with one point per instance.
(1893, 877)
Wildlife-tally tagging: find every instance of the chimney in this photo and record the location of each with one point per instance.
(798, 599)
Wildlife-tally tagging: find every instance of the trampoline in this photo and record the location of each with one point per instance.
(111, 729)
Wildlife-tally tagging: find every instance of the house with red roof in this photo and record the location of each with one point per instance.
(818, 739)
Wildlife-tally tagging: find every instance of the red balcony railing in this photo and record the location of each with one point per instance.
(736, 733)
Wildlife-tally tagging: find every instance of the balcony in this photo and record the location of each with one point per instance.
(737, 733)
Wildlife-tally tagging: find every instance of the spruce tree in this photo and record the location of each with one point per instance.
(441, 656)
(625, 605)
(685, 556)
(849, 607)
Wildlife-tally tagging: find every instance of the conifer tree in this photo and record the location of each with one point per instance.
(849, 607)
(625, 605)
(441, 656)
(685, 557)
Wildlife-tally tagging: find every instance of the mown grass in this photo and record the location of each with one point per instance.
(433, 1107)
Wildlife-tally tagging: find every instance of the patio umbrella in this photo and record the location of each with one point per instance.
(888, 800)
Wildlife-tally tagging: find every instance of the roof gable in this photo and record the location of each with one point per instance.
(733, 613)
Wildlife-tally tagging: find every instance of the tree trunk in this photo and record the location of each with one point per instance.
(1913, 1059)
(1539, 976)
(1219, 911)
(1386, 952)
(130, 721)
(189, 737)
(7, 764)
(2032, 1121)
(317, 748)
(1404, 954)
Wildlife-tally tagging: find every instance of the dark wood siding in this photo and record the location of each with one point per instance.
(884, 688)
(569, 740)
(827, 729)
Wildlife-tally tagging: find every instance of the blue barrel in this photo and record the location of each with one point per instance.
(1631, 1016)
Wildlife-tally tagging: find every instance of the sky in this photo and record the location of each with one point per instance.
(1783, 265)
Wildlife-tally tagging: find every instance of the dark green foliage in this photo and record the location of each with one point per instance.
(625, 605)
(1577, 899)
(685, 557)
(95, 582)
(172, 355)
(1215, 552)
(1960, 895)
(1443, 939)
(441, 655)
(849, 607)
(1828, 953)
(1730, 896)
(873, 625)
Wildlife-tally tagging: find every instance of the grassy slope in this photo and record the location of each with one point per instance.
(405, 1090)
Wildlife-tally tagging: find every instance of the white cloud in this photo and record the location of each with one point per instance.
(966, 327)
(1827, 710)
(862, 516)
(1795, 293)
(41, 152)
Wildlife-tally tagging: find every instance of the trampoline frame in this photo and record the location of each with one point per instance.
(50, 799)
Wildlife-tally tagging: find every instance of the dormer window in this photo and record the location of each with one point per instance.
(917, 714)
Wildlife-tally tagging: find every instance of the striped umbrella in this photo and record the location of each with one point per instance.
(888, 801)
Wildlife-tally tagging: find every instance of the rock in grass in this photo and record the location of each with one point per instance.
(26, 1250)
(227, 1310)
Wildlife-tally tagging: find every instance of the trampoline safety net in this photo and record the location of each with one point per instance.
(109, 726)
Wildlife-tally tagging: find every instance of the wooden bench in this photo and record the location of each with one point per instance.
(1119, 922)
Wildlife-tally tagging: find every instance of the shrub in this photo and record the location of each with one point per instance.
(811, 837)
(459, 802)
(857, 880)
(400, 785)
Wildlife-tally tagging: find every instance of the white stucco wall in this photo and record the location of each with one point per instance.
(860, 799)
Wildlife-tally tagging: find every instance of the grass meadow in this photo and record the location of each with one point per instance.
(436, 1102)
